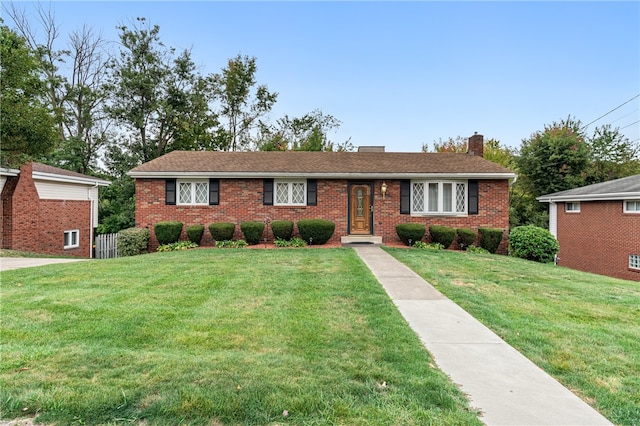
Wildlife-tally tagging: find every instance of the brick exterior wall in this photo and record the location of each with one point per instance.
(35, 225)
(599, 238)
(241, 200)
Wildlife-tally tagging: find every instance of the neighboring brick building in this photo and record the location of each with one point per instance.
(48, 210)
(598, 227)
(459, 190)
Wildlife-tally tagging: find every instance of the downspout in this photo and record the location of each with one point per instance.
(91, 229)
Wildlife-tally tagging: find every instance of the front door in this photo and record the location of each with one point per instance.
(360, 217)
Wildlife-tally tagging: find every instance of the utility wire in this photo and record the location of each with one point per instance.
(604, 115)
(629, 125)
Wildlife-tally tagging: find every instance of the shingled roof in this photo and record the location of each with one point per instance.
(617, 189)
(319, 164)
(56, 173)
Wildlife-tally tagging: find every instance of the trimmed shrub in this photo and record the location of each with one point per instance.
(252, 231)
(282, 229)
(167, 232)
(132, 241)
(442, 235)
(222, 231)
(533, 243)
(490, 238)
(194, 233)
(316, 231)
(466, 237)
(410, 231)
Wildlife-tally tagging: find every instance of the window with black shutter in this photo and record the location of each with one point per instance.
(312, 192)
(214, 192)
(267, 192)
(473, 197)
(405, 197)
(170, 192)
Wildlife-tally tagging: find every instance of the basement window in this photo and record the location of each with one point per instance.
(71, 239)
(632, 206)
(634, 261)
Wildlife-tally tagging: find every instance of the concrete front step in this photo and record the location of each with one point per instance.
(361, 240)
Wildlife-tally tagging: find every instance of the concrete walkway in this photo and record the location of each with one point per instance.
(504, 385)
(9, 263)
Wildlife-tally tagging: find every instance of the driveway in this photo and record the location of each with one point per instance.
(8, 263)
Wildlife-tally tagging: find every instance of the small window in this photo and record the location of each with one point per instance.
(71, 239)
(193, 192)
(572, 207)
(634, 261)
(290, 193)
(632, 206)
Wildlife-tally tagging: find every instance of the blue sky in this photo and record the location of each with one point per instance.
(401, 74)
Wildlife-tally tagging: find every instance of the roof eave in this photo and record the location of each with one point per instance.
(345, 175)
(614, 196)
(70, 179)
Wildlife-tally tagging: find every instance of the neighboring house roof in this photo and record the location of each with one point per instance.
(617, 189)
(347, 165)
(46, 172)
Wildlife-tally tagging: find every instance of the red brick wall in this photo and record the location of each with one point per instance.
(34, 225)
(241, 200)
(599, 239)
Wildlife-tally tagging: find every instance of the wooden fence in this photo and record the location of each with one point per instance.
(106, 246)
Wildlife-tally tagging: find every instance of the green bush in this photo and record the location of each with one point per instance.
(533, 243)
(132, 241)
(466, 237)
(475, 249)
(490, 238)
(410, 231)
(428, 246)
(231, 244)
(316, 231)
(282, 229)
(252, 231)
(222, 231)
(442, 235)
(167, 232)
(180, 245)
(194, 233)
(293, 242)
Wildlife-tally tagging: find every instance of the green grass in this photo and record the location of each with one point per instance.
(18, 253)
(216, 337)
(583, 329)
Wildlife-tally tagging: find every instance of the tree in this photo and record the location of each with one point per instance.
(159, 100)
(75, 94)
(459, 144)
(27, 127)
(240, 107)
(306, 133)
(612, 156)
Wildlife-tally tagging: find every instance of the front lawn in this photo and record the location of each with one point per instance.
(583, 329)
(214, 336)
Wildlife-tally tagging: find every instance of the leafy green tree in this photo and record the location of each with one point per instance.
(27, 127)
(241, 106)
(612, 156)
(158, 99)
(307, 133)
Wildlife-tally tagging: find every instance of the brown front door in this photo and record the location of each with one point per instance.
(360, 218)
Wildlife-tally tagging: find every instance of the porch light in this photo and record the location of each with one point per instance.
(383, 189)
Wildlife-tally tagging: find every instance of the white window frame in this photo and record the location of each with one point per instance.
(575, 207)
(636, 204)
(278, 183)
(428, 209)
(634, 261)
(71, 244)
(192, 189)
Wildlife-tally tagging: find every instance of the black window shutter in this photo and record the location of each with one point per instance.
(473, 197)
(405, 197)
(267, 192)
(170, 192)
(214, 192)
(312, 192)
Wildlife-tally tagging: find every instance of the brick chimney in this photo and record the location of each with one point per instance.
(476, 145)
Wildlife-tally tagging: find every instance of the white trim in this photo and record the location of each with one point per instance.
(440, 201)
(9, 172)
(192, 183)
(574, 204)
(553, 219)
(590, 197)
(69, 179)
(71, 232)
(624, 206)
(304, 175)
(634, 259)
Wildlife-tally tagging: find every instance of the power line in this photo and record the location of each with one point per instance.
(629, 125)
(619, 106)
(626, 115)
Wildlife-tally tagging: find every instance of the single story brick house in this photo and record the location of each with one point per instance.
(48, 210)
(598, 227)
(365, 193)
